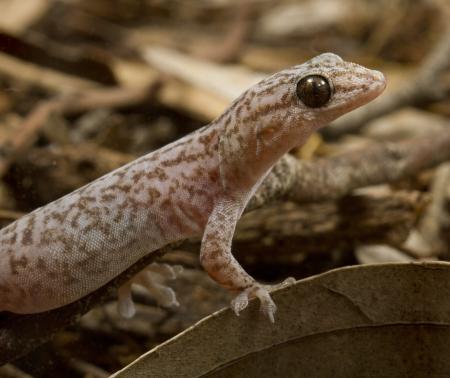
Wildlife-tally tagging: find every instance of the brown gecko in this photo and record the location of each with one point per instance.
(197, 185)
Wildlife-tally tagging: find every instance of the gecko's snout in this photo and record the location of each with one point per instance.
(354, 86)
(378, 81)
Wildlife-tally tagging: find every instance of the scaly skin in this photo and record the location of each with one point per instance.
(197, 185)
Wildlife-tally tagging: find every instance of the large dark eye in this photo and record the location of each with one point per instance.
(314, 91)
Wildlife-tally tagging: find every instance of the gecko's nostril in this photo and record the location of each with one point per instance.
(379, 80)
(378, 75)
(314, 91)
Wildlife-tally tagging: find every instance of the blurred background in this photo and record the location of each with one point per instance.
(89, 85)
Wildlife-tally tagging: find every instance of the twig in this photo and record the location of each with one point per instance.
(331, 178)
(281, 232)
(47, 78)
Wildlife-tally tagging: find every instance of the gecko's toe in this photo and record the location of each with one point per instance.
(125, 304)
(152, 281)
(268, 306)
(165, 271)
(240, 302)
(164, 295)
(288, 281)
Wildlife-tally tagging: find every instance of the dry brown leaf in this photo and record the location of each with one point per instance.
(387, 320)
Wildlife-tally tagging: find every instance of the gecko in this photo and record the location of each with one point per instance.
(198, 185)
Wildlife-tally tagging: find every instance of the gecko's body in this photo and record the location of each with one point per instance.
(197, 185)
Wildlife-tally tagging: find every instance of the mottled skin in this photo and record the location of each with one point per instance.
(198, 184)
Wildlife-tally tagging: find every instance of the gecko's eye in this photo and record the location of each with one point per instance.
(314, 91)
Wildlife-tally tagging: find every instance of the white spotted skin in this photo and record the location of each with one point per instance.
(198, 185)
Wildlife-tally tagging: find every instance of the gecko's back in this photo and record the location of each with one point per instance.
(70, 247)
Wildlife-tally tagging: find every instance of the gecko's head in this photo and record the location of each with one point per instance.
(327, 87)
(308, 96)
(280, 112)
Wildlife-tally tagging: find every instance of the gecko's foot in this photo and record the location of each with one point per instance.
(152, 278)
(268, 306)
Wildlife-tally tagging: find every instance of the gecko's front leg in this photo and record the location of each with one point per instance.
(220, 264)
